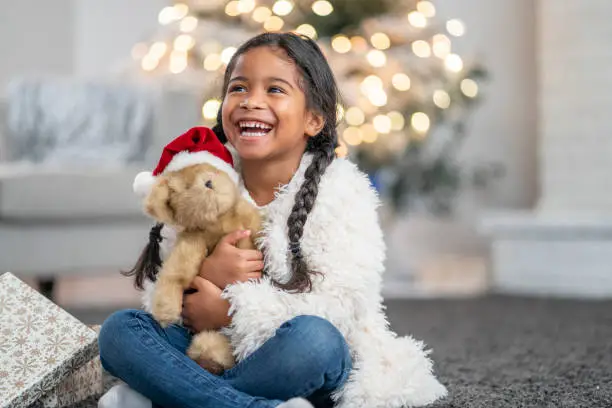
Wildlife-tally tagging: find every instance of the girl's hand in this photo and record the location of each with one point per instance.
(228, 264)
(205, 309)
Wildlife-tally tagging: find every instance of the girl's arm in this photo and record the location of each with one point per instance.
(205, 309)
(228, 264)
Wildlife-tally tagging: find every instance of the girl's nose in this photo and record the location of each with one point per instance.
(254, 100)
(252, 103)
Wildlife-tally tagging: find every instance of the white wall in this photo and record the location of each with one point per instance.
(106, 30)
(65, 37)
(36, 37)
(576, 79)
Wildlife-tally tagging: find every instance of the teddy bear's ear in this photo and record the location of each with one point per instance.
(157, 203)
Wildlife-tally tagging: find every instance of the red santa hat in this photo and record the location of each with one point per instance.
(196, 146)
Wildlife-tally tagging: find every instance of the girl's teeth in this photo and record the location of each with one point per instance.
(255, 125)
(253, 134)
(254, 129)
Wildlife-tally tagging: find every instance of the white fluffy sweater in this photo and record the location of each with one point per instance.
(342, 238)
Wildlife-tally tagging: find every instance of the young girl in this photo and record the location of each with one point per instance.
(312, 330)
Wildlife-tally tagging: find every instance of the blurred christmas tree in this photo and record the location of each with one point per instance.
(406, 95)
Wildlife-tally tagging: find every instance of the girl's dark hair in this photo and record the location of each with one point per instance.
(319, 86)
(149, 261)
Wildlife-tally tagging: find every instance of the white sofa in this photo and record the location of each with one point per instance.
(59, 220)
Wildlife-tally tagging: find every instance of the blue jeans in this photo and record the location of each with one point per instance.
(307, 357)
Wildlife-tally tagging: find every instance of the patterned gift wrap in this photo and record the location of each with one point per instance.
(85, 383)
(41, 345)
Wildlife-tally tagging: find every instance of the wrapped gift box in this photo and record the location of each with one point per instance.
(84, 383)
(41, 345)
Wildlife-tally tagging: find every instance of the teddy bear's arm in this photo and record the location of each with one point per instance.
(186, 257)
(249, 219)
(254, 222)
(177, 273)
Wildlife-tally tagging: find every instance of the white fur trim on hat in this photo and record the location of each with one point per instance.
(143, 183)
(185, 159)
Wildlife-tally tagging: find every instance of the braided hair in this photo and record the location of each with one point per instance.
(149, 262)
(319, 86)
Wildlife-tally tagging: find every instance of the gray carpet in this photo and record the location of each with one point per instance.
(507, 352)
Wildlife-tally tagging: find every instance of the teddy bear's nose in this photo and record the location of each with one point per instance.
(208, 184)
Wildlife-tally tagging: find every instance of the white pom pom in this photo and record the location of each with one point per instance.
(143, 183)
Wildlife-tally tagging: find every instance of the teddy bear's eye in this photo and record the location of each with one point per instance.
(208, 184)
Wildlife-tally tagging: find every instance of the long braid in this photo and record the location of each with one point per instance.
(305, 198)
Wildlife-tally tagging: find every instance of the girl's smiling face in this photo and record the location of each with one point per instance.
(264, 109)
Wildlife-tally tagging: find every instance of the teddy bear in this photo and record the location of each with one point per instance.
(194, 188)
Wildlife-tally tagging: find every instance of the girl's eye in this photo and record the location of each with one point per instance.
(276, 89)
(237, 88)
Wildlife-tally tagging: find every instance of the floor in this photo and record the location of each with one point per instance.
(490, 351)
(498, 351)
(515, 352)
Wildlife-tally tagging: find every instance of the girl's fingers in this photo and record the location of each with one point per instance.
(252, 254)
(233, 237)
(197, 283)
(254, 266)
(254, 275)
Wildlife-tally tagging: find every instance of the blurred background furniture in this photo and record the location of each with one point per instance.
(66, 204)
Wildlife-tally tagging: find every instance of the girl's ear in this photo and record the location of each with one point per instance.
(314, 124)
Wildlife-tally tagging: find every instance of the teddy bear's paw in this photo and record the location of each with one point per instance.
(166, 313)
(212, 351)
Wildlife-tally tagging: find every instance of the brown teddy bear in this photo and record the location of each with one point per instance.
(194, 189)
